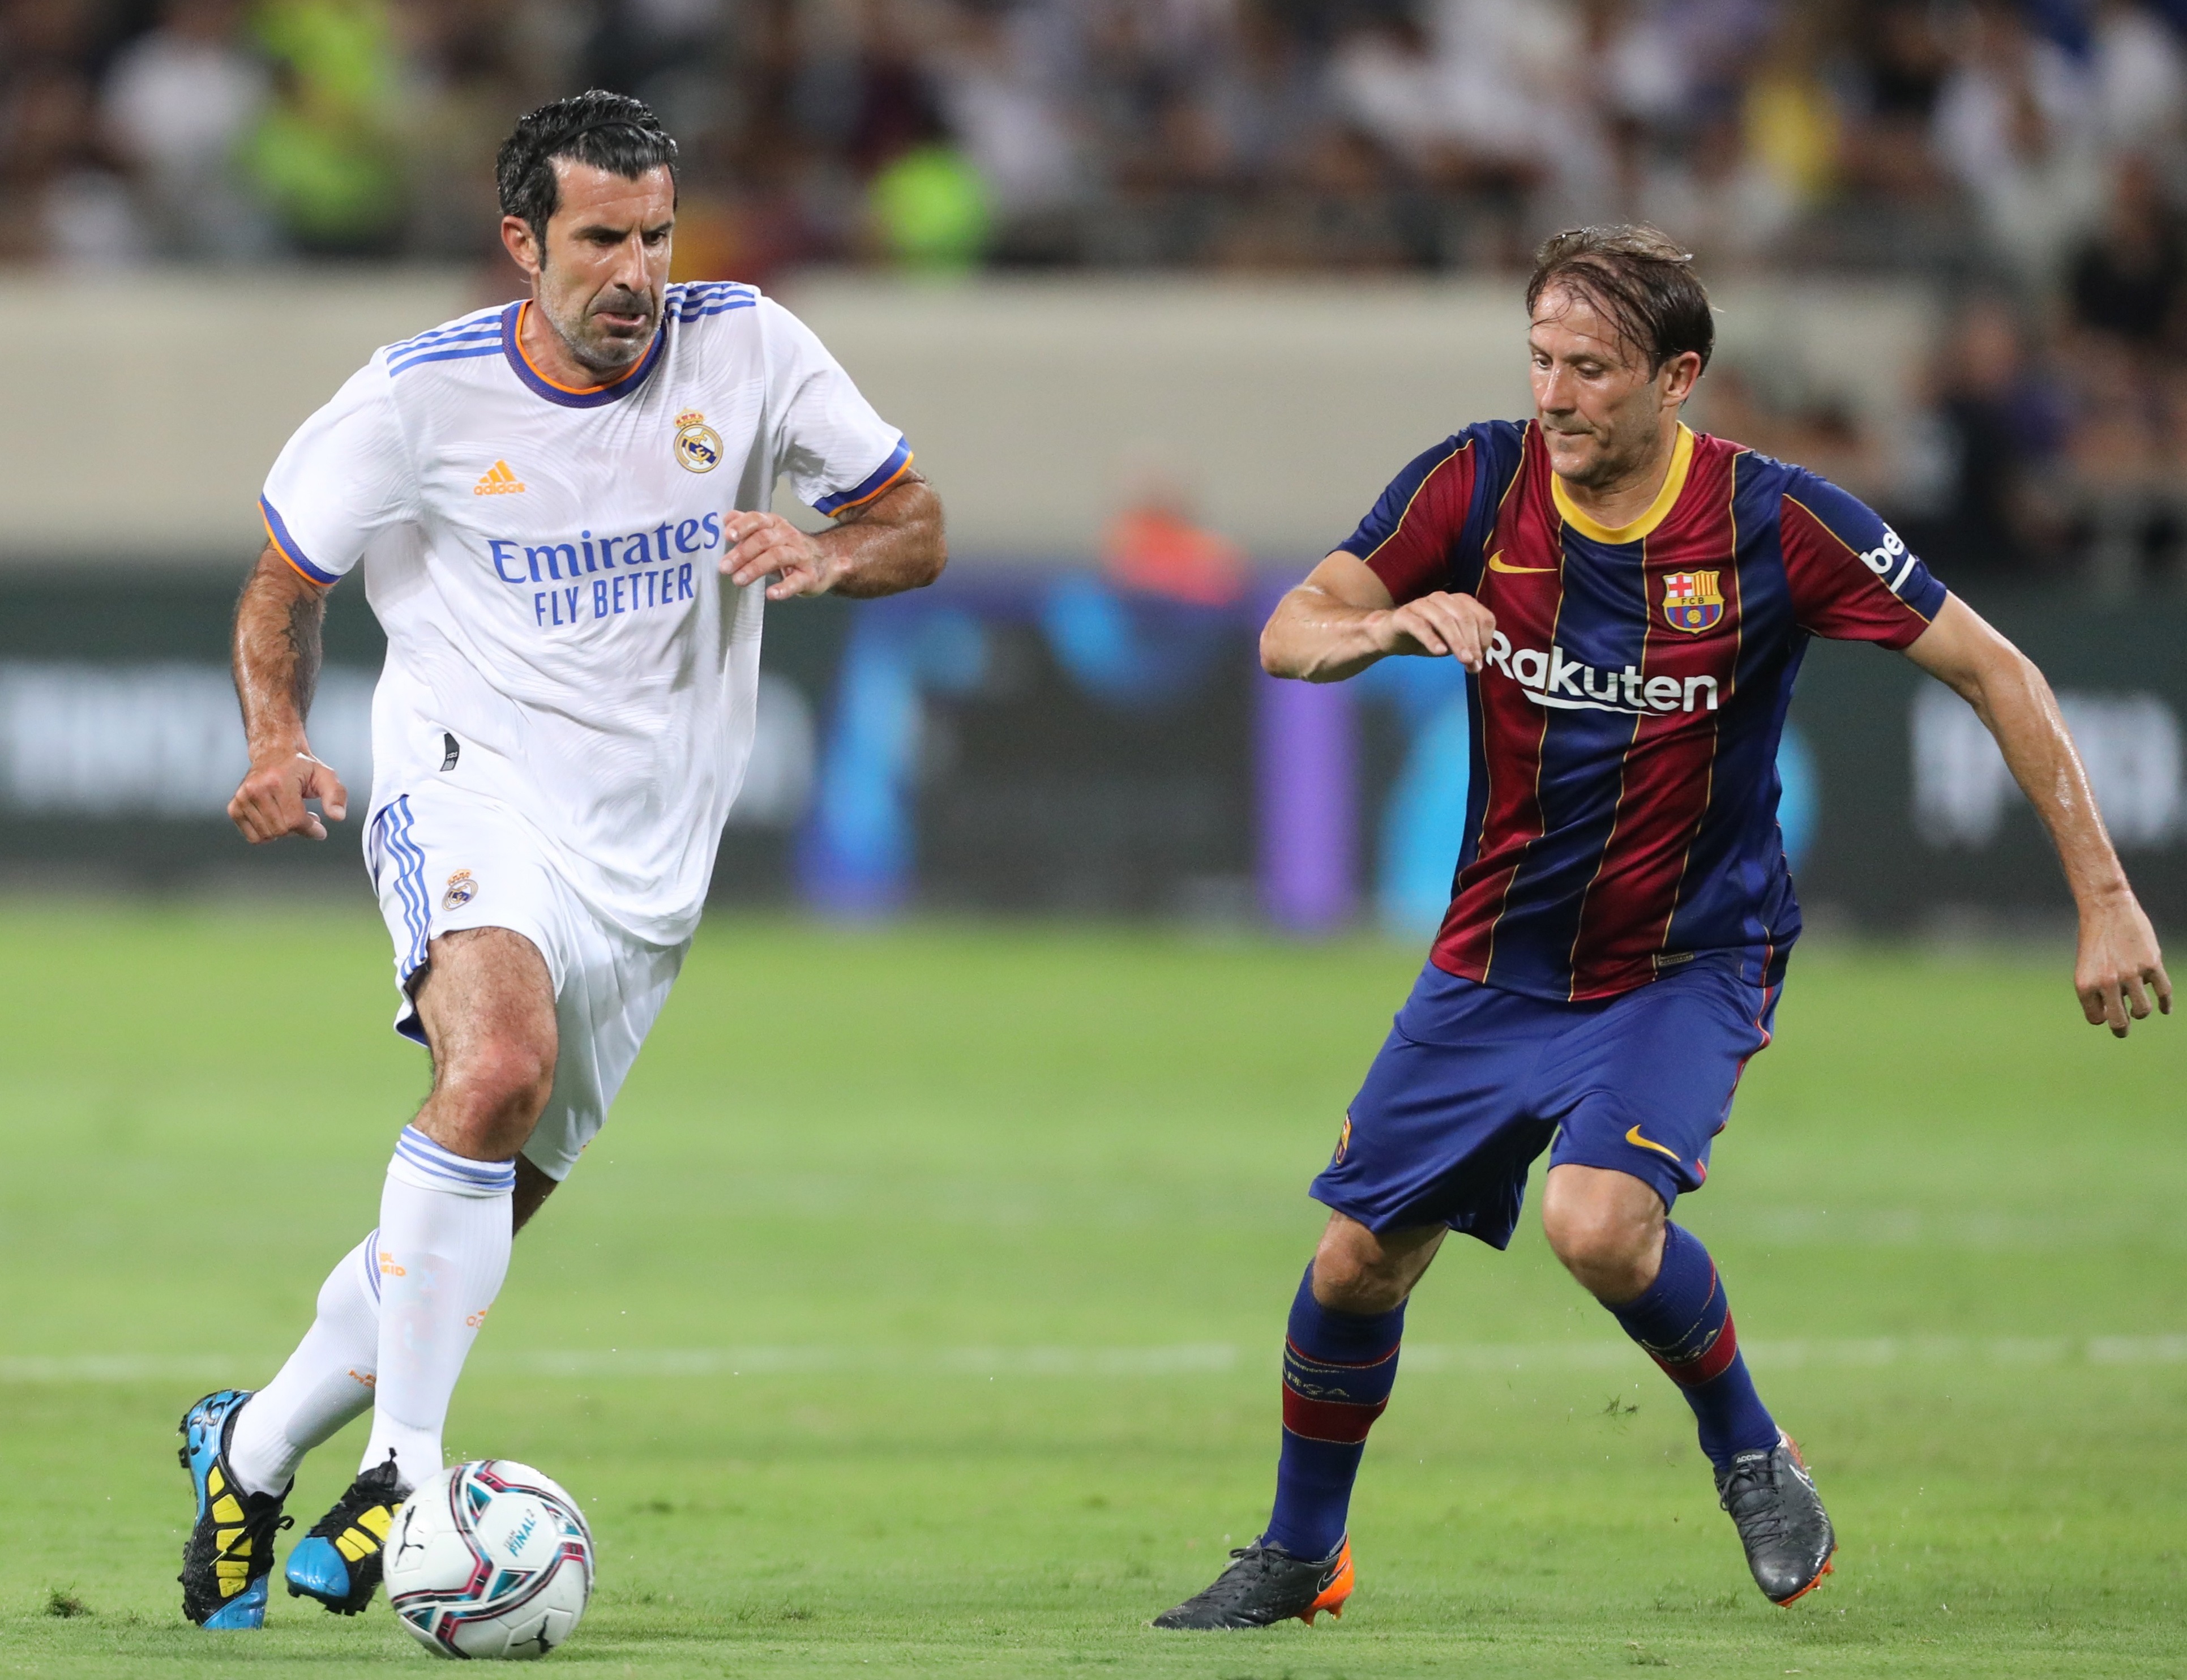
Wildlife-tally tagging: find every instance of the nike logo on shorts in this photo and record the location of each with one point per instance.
(1633, 1136)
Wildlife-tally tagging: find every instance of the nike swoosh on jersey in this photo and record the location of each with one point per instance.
(1633, 1136)
(1497, 563)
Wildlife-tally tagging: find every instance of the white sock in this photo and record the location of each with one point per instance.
(444, 1241)
(328, 1380)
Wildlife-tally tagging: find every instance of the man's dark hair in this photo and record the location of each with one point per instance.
(609, 131)
(1640, 280)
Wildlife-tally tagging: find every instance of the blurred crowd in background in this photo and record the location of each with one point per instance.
(2029, 158)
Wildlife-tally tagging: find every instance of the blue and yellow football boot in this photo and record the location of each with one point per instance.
(339, 1562)
(230, 1550)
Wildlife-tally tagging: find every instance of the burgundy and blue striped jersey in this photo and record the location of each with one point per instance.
(1621, 816)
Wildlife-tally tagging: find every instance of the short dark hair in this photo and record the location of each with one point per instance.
(1640, 278)
(609, 131)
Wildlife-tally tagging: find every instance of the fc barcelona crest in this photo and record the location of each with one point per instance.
(1691, 600)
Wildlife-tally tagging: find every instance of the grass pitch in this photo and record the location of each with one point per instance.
(918, 1314)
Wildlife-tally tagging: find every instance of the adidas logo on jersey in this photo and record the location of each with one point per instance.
(498, 480)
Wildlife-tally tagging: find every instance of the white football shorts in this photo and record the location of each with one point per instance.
(441, 861)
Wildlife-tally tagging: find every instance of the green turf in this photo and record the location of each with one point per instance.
(973, 1246)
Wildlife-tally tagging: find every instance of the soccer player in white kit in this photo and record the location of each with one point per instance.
(545, 500)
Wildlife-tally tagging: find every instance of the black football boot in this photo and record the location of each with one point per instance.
(1266, 1584)
(1781, 1519)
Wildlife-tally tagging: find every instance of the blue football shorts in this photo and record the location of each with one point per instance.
(1474, 1082)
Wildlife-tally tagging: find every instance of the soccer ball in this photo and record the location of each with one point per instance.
(489, 1560)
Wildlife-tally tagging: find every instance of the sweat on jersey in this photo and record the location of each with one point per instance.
(545, 563)
(1622, 817)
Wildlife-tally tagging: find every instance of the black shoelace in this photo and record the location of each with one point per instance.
(376, 1486)
(1749, 1495)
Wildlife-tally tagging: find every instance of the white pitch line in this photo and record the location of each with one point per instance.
(1179, 1360)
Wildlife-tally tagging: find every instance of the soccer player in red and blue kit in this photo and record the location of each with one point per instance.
(1631, 601)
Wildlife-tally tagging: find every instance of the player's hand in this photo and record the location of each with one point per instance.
(270, 803)
(1441, 623)
(766, 545)
(2119, 969)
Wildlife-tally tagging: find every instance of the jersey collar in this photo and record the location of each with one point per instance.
(1682, 458)
(571, 397)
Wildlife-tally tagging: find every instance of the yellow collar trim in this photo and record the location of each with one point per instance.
(1682, 458)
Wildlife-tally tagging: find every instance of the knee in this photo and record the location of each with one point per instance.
(1353, 1273)
(490, 1099)
(1612, 1250)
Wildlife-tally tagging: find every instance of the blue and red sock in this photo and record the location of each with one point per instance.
(1338, 1368)
(1684, 1322)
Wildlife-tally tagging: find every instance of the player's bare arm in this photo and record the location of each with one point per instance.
(2118, 970)
(278, 624)
(883, 546)
(1342, 619)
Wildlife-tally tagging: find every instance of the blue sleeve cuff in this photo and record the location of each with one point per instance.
(872, 485)
(277, 532)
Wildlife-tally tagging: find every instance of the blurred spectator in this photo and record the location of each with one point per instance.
(1474, 93)
(1995, 430)
(1752, 159)
(326, 155)
(177, 103)
(470, 64)
(61, 198)
(1729, 205)
(2013, 122)
(655, 49)
(1154, 547)
(1900, 62)
(2126, 280)
(994, 91)
(2136, 83)
(1894, 207)
(66, 205)
(929, 208)
(2121, 451)
(1793, 128)
(1265, 96)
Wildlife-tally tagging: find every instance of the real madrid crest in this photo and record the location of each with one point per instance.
(698, 444)
(462, 889)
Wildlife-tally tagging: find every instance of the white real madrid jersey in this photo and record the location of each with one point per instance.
(545, 562)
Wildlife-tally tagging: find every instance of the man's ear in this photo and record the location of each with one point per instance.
(1680, 374)
(522, 244)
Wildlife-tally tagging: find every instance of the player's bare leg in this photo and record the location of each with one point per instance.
(486, 1002)
(487, 1006)
(1612, 1232)
(447, 1220)
(1357, 1271)
(533, 1186)
(1339, 1361)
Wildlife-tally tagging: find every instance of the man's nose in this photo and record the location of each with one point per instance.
(630, 264)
